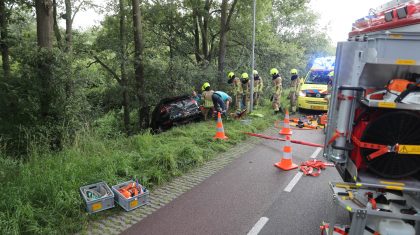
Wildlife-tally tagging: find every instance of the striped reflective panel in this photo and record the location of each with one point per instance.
(287, 155)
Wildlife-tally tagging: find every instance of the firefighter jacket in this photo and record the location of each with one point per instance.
(258, 84)
(246, 86)
(206, 96)
(237, 85)
(277, 85)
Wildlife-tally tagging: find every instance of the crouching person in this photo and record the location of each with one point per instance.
(221, 102)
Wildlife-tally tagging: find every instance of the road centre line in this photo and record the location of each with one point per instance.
(315, 154)
(258, 226)
(294, 181)
(298, 175)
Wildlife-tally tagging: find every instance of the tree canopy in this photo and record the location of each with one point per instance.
(56, 81)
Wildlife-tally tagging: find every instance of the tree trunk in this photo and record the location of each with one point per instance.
(69, 26)
(44, 26)
(205, 28)
(3, 39)
(223, 40)
(123, 58)
(138, 65)
(224, 28)
(196, 36)
(44, 20)
(55, 26)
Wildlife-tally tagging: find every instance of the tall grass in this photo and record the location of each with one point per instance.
(41, 195)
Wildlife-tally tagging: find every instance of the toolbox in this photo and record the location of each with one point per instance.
(132, 202)
(98, 197)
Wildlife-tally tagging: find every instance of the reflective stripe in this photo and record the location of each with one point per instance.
(287, 155)
(220, 129)
(208, 103)
(409, 149)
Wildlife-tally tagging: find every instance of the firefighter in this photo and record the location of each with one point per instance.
(258, 86)
(247, 89)
(277, 89)
(237, 89)
(206, 96)
(294, 86)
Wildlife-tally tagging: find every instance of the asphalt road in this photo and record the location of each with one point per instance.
(233, 200)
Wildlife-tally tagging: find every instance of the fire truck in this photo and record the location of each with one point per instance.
(373, 133)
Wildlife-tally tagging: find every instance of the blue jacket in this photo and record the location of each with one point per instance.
(223, 95)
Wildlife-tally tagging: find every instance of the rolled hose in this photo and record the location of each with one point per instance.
(396, 127)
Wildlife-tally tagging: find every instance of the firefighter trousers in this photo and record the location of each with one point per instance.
(238, 101)
(277, 98)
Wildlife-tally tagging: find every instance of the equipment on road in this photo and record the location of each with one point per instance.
(220, 131)
(373, 132)
(308, 122)
(309, 166)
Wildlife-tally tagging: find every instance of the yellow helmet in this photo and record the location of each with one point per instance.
(274, 71)
(294, 72)
(205, 85)
(331, 74)
(255, 72)
(244, 76)
(231, 74)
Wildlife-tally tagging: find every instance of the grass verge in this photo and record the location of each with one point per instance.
(41, 195)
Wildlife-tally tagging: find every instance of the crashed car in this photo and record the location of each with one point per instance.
(175, 111)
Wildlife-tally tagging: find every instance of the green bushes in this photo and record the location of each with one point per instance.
(41, 195)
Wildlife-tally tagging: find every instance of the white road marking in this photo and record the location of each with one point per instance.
(294, 181)
(315, 154)
(298, 175)
(258, 226)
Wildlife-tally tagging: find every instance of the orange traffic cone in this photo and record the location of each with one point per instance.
(286, 125)
(220, 131)
(286, 161)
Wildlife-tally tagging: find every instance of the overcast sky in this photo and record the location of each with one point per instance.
(340, 14)
(337, 14)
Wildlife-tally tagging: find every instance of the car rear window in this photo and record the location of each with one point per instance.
(182, 108)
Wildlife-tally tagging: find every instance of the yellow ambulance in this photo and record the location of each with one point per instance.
(314, 89)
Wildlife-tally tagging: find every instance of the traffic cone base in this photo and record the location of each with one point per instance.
(220, 138)
(286, 164)
(285, 131)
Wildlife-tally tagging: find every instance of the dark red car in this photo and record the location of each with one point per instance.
(175, 111)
